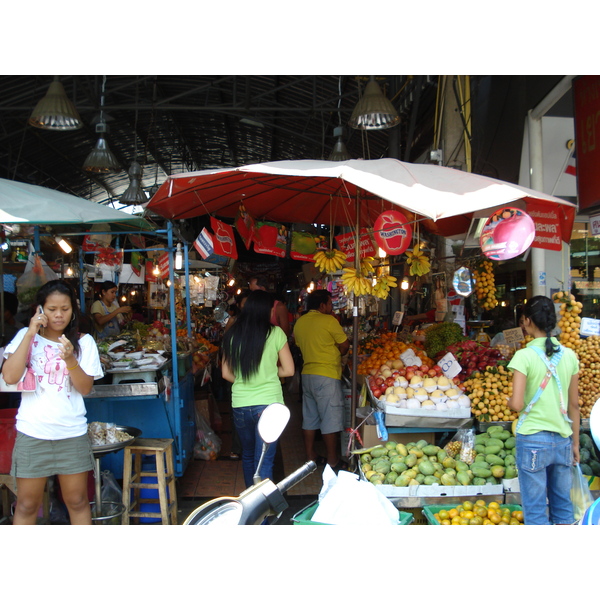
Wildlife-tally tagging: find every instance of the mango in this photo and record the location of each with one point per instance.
(498, 471)
(410, 460)
(413, 482)
(510, 461)
(482, 464)
(426, 467)
(479, 448)
(430, 480)
(510, 443)
(431, 450)
(481, 438)
(390, 445)
(420, 478)
(511, 472)
(401, 450)
(461, 466)
(410, 473)
(378, 452)
(418, 452)
(390, 478)
(383, 467)
(451, 472)
(480, 471)
(478, 481)
(398, 467)
(422, 443)
(446, 479)
(402, 481)
(463, 478)
(449, 463)
(492, 449)
(366, 458)
(493, 459)
(441, 455)
(396, 459)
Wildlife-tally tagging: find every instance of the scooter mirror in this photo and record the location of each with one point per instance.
(272, 422)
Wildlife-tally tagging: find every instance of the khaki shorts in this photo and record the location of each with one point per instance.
(34, 458)
(322, 404)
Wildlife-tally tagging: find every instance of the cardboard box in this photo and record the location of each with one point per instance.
(368, 433)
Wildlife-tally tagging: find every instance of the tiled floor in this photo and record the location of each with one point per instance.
(222, 477)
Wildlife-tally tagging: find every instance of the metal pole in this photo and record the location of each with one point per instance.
(353, 401)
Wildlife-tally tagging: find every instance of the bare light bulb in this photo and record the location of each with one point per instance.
(178, 258)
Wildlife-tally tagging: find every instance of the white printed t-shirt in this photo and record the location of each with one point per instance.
(55, 410)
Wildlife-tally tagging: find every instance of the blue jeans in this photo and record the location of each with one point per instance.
(246, 421)
(544, 461)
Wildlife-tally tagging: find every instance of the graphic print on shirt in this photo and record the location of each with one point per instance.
(56, 369)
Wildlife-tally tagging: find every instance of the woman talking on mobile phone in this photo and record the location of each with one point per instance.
(52, 436)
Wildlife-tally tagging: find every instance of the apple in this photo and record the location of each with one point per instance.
(389, 381)
(438, 369)
(377, 393)
(432, 373)
(378, 381)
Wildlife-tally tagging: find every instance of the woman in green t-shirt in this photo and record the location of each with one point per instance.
(545, 392)
(255, 355)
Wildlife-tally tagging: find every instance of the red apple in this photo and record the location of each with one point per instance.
(377, 393)
(432, 372)
(379, 381)
(389, 381)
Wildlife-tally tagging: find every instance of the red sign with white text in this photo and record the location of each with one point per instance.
(547, 226)
(586, 96)
(392, 232)
(346, 242)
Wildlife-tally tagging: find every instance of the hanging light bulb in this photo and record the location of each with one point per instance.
(404, 284)
(123, 298)
(156, 270)
(65, 246)
(55, 111)
(69, 271)
(178, 258)
(231, 282)
(381, 253)
(168, 283)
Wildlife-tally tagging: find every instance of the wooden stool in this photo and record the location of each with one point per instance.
(7, 482)
(162, 450)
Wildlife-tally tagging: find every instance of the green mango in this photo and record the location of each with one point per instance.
(410, 460)
(383, 467)
(402, 481)
(366, 458)
(498, 471)
(379, 452)
(495, 430)
(510, 443)
(480, 471)
(441, 455)
(430, 480)
(422, 443)
(397, 458)
(398, 467)
(494, 442)
(390, 445)
(494, 459)
(463, 478)
(480, 448)
(481, 438)
(480, 457)
(492, 450)
(420, 478)
(447, 479)
(390, 478)
(478, 481)
(492, 480)
(449, 463)
(410, 473)
(431, 450)
(451, 472)
(511, 472)
(482, 464)
(426, 467)
(461, 466)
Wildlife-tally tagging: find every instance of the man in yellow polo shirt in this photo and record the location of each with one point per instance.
(322, 342)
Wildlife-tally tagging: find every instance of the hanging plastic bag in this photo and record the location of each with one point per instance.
(110, 490)
(581, 496)
(35, 275)
(208, 443)
(462, 446)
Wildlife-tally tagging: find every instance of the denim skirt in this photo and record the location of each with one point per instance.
(33, 457)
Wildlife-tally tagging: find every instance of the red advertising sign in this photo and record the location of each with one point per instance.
(163, 264)
(586, 94)
(506, 234)
(223, 239)
(392, 232)
(270, 238)
(547, 226)
(346, 242)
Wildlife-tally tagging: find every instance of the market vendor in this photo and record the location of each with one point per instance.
(106, 312)
(426, 317)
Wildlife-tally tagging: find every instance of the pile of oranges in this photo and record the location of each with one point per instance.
(480, 513)
(387, 348)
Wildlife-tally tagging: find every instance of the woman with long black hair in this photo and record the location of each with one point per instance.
(545, 392)
(52, 437)
(255, 355)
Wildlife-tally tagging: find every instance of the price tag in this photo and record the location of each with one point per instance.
(589, 327)
(410, 359)
(398, 316)
(513, 336)
(450, 366)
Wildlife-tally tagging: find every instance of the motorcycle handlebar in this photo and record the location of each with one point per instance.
(297, 476)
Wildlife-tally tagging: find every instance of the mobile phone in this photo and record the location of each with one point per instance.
(41, 309)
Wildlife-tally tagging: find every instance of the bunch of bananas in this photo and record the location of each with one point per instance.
(366, 266)
(329, 261)
(419, 263)
(355, 282)
(485, 285)
(382, 288)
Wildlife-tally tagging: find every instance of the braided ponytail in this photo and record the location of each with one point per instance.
(540, 309)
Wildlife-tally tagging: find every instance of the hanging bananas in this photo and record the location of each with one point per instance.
(419, 263)
(356, 283)
(366, 266)
(382, 288)
(329, 261)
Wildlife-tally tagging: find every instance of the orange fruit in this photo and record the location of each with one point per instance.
(467, 505)
(446, 522)
(514, 521)
(495, 518)
(464, 521)
(481, 511)
(443, 514)
(468, 514)
(476, 521)
(452, 513)
(480, 502)
(505, 519)
(456, 521)
(517, 514)
(493, 505)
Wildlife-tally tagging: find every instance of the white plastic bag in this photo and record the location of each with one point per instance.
(346, 500)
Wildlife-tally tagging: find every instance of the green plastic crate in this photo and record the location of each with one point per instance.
(430, 510)
(304, 517)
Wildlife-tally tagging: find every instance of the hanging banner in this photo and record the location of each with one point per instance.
(586, 103)
(346, 243)
(137, 262)
(547, 226)
(507, 233)
(244, 225)
(163, 264)
(270, 238)
(223, 239)
(304, 245)
(392, 232)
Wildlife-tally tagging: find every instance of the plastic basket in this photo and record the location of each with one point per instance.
(304, 517)
(430, 510)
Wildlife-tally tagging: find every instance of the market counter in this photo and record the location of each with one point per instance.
(156, 408)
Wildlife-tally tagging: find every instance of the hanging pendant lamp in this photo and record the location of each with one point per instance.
(134, 194)
(374, 110)
(55, 111)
